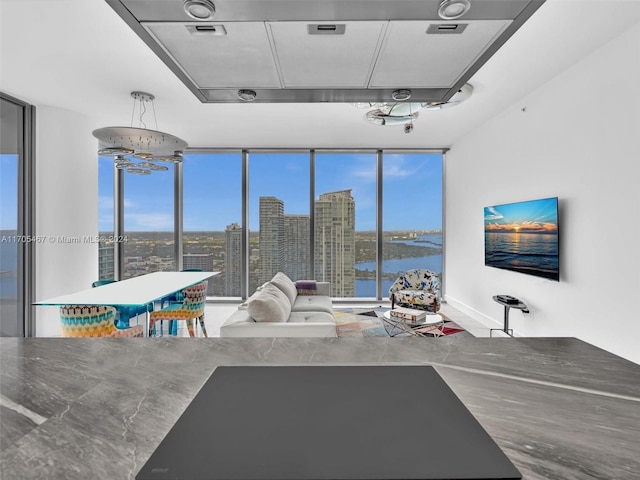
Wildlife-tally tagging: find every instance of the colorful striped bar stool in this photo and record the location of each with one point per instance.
(191, 307)
(93, 321)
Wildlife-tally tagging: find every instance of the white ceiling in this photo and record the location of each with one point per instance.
(80, 55)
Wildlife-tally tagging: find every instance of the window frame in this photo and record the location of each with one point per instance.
(245, 155)
(26, 205)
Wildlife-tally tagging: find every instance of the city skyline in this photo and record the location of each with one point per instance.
(214, 180)
(284, 241)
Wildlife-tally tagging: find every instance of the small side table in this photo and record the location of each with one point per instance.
(507, 306)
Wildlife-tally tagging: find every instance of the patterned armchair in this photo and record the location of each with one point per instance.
(93, 321)
(416, 289)
(191, 307)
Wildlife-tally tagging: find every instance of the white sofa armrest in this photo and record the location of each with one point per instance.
(323, 288)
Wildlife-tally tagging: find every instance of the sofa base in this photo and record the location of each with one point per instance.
(300, 324)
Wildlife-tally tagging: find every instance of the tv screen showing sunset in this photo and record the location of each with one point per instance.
(523, 237)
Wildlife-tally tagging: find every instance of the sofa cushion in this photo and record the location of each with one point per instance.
(311, 317)
(306, 287)
(309, 324)
(312, 303)
(269, 305)
(284, 283)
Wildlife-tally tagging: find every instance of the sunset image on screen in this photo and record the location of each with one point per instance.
(523, 237)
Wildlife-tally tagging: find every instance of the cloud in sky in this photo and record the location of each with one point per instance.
(128, 203)
(295, 166)
(492, 214)
(397, 167)
(149, 222)
(523, 227)
(364, 173)
(398, 170)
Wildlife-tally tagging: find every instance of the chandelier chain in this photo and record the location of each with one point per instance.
(153, 106)
(133, 112)
(143, 110)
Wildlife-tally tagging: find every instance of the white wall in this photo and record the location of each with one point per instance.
(578, 138)
(66, 206)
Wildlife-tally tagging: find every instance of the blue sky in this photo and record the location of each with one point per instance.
(8, 191)
(534, 216)
(212, 188)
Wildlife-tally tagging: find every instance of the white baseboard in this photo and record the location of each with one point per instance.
(477, 315)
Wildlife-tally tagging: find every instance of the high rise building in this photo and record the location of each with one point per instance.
(200, 261)
(335, 242)
(105, 260)
(271, 238)
(232, 260)
(296, 247)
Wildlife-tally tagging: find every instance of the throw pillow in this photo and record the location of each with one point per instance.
(284, 283)
(269, 305)
(306, 287)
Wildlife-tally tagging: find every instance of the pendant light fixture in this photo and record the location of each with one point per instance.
(405, 113)
(453, 9)
(126, 144)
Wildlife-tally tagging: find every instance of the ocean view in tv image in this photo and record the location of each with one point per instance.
(523, 237)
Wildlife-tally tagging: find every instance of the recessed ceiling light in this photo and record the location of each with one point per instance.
(401, 95)
(199, 9)
(452, 9)
(247, 95)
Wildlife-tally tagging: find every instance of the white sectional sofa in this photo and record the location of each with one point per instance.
(281, 309)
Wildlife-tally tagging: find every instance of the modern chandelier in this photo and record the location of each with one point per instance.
(403, 112)
(138, 150)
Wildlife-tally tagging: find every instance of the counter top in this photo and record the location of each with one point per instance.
(97, 408)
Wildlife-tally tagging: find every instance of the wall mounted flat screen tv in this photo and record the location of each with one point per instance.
(523, 237)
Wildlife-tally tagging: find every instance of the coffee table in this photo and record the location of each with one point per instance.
(433, 320)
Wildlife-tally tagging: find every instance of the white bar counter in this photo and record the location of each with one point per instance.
(136, 291)
(132, 291)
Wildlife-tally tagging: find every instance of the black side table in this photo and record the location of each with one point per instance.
(507, 306)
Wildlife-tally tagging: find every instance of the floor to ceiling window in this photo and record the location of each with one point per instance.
(279, 220)
(345, 223)
(412, 214)
(9, 239)
(17, 241)
(357, 220)
(212, 219)
(105, 219)
(148, 242)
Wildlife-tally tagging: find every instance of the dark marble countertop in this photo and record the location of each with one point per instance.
(97, 408)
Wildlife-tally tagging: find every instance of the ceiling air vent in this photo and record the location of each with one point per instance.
(207, 29)
(326, 29)
(446, 28)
